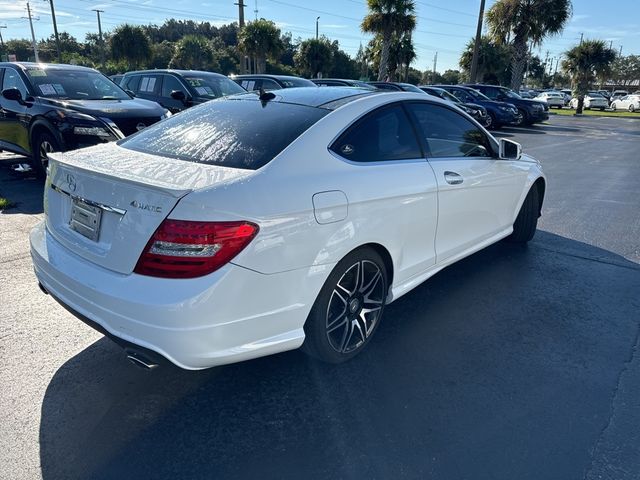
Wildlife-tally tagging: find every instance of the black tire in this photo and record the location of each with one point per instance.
(494, 123)
(613, 107)
(44, 142)
(632, 108)
(333, 318)
(524, 228)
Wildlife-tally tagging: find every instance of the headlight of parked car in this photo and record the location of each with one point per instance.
(93, 131)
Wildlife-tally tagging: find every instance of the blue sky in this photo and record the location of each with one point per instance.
(443, 27)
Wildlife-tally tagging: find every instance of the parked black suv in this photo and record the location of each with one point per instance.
(178, 89)
(478, 112)
(265, 81)
(502, 113)
(50, 107)
(532, 111)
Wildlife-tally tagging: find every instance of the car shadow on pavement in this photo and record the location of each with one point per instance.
(501, 366)
(23, 189)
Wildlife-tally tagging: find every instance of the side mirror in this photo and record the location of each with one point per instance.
(509, 150)
(178, 95)
(13, 94)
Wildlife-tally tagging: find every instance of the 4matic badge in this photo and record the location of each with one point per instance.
(146, 206)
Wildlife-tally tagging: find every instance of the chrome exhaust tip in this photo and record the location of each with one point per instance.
(141, 361)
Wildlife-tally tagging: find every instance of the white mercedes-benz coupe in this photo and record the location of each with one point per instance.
(264, 222)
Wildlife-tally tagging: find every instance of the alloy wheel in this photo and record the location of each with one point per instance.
(45, 149)
(355, 306)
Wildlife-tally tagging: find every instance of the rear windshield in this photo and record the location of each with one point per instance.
(228, 132)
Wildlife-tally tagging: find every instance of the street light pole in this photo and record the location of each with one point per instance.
(317, 19)
(2, 44)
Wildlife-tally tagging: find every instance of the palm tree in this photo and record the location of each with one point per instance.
(493, 60)
(131, 44)
(586, 62)
(193, 52)
(521, 22)
(314, 57)
(260, 39)
(386, 18)
(406, 54)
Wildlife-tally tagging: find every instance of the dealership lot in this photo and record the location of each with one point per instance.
(514, 363)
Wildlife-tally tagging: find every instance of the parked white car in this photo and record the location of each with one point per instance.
(552, 99)
(256, 224)
(628, 102)
(592, 100)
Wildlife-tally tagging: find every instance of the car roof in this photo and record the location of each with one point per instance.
(329, 98)
(173, 70)
(268, 75)
(52, 66)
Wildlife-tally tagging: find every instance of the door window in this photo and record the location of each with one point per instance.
(270, 85)
(12, 80)
(449, 134)
(131, 83)
(171, 83)
(385, 134)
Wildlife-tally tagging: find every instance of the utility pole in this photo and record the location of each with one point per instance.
(255, 10)
(55, 31)
(476, 45)
(581, 36)
(435, 62)
(317, 19)
(243, 58)
(620, 52)
(98, 12)
(2, 42)
(33, 35)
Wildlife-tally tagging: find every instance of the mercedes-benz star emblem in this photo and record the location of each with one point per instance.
(71, 182)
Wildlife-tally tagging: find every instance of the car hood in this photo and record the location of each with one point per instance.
(134, 107)
(474, 105)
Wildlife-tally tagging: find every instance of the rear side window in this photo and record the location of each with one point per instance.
(231, 133)
(150, 84)
(382, 135)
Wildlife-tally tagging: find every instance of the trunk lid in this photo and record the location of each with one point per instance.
(105, 202)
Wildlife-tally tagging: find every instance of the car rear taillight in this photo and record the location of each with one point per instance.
(187, 249)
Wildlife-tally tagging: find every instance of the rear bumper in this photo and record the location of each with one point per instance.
(231, 315)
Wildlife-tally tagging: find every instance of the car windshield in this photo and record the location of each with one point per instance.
(594, 94)
(74, 85)
(509, 93)
(212, 86)
(447, 96)
(238, 133)
(477, 95)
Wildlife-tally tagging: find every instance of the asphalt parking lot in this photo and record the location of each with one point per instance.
(516, 363)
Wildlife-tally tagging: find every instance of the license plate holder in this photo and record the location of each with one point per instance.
(85, 218)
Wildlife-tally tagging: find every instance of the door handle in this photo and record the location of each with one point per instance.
(453, 178)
